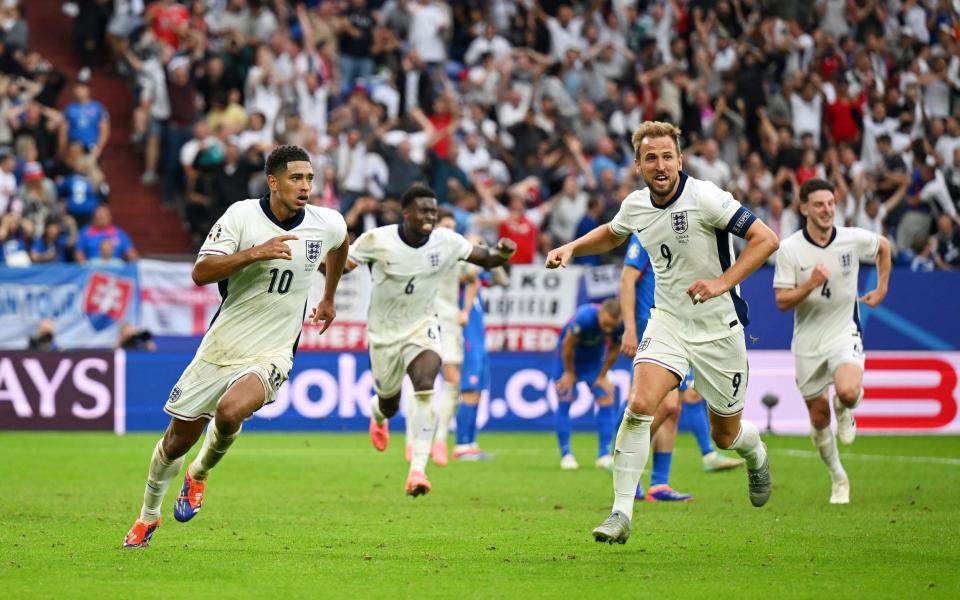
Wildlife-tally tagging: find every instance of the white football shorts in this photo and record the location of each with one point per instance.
(451, 342)
(389, 362)
(815, 373)
(720, 366)
(202, 384)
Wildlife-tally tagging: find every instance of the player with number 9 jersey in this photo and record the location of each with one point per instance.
(684, 224)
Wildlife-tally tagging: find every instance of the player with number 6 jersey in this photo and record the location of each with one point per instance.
(264, 255)
(685, 225)
(816, 275)
(408, 263)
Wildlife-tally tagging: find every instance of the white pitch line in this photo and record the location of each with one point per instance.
(937, 460)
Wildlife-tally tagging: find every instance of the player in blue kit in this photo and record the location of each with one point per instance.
(587, 349)
(636, 294)
(475, 370)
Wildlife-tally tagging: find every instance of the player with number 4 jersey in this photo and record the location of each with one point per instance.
(816, 275)
(408, 262)
(685, 225)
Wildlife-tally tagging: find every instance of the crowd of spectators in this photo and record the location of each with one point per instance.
(53, 192)
(519, 114)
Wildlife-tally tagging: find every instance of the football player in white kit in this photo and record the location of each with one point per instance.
(452, 319)
(408, 262)
(264, 255)
(816, 275)
(698, 318)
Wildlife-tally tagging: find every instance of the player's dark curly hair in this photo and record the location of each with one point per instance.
(417, 190)
(281, 155)
(813, 185)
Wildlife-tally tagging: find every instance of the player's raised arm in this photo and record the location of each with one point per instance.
(601, 239)
(501, 253)
(210, 268)
(761, 243)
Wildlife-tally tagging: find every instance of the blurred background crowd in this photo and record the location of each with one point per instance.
(519, 114)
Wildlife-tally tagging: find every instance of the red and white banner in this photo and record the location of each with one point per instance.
(526, 316)
(913, 392)
(170, 303)
(529, 313)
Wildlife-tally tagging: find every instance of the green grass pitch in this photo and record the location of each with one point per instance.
(324, 515)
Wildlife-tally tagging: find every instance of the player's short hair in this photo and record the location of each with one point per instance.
(417, 190)
(813, 185)
(612, 306)
(654, 129)
(281, 155)
(445, 213)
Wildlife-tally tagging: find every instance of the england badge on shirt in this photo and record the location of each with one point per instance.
(313, 250)
(679, 221)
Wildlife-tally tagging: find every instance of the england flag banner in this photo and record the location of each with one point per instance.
(86, 305)
(172, 304)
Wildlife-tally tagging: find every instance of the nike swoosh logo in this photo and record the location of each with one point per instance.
(730, 405)
(805, 268)
(644, 229)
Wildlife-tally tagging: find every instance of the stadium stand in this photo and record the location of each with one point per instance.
(520, 114)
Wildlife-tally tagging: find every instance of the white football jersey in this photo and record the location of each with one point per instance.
(831, 312)
(688, 239)
(264, 303)
(406, 279)
(448, 293)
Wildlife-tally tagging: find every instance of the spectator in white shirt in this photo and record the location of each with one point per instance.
(428, 22)
(565, 30)
(569, 206)
(948, 142)
(807, 108)
(496, 45)
(472, 156)
(351, 173)
(704, 163)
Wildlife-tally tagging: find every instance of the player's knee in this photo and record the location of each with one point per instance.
(848, 394)
(231, 414)
(820, 419)
(723, 439)
(422, 382)
(640, 405)
(390, 406)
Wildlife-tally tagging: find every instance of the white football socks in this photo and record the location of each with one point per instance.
(161, 473)
(826, 444)
(423, 422)
(748, 445)
(215, 445)
(375, 410)
(629, 457)
(448, 405)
